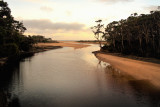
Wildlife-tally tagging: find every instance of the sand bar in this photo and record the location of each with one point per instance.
(75, 45)
(140, 70)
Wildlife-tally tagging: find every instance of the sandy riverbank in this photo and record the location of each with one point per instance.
(64, 44)
(90, 42)
(140, 70)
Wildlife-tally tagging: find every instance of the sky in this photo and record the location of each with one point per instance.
(72, 19)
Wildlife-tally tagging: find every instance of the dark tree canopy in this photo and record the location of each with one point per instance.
(12, 39)
(137, 35)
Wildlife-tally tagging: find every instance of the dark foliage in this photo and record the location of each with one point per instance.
(137, 35)
(12, 40)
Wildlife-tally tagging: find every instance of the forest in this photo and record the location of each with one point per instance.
(137, 35)
(12, 40)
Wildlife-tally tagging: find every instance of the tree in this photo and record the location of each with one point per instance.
(98, 32)
(12, 39)
(138, 35)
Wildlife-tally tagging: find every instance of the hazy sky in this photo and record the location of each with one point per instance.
(72, 19)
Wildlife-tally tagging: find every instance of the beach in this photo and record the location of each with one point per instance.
(140, 70)
(75, 45)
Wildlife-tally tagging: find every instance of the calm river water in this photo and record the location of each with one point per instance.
(69, 77)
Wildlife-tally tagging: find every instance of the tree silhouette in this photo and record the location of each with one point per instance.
(11, 33)
(98, 32)
(137, 35)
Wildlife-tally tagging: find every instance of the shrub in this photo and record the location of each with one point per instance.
(9, 50)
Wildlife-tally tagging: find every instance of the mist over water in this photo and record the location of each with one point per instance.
(74, 78)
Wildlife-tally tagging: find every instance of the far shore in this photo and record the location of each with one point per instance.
(74, 45)
(92, 42)
(140, 70)
(41, 47)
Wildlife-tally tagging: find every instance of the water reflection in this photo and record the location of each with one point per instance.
(73, 78)
(9, 80)
(145, 93)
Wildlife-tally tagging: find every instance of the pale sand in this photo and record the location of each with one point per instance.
(93, 42)
(64, 44)
(140, 70)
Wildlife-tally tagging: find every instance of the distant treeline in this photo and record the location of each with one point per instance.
(137, 35)
(87, 41)
(42, 39)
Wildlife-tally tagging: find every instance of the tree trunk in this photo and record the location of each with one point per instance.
(153, 45)
(100, 44)
(99, 40)
(140, 43)
(122, 41)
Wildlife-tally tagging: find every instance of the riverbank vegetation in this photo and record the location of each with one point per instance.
(42, 39)
(12, 40)
(137, 35)
(14, 45)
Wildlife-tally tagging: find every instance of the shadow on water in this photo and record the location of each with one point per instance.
(9, 79)
(115, 88)
(6, 77)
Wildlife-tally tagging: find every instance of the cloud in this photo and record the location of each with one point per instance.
(57, 30)
(151, 8)
(45, 24)
(36, 1)
(115, 1)
(46, 9)
(68, 13)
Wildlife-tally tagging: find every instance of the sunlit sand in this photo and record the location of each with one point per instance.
(138, 69)
(75, 45)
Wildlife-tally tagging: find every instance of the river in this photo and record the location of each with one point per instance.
(69, 77)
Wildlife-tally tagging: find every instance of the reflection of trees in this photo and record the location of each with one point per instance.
(3, 98)
(9, 74)
(99, 66)
(142, 90)
(6, 99)
(100, 77)
(14, 102)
